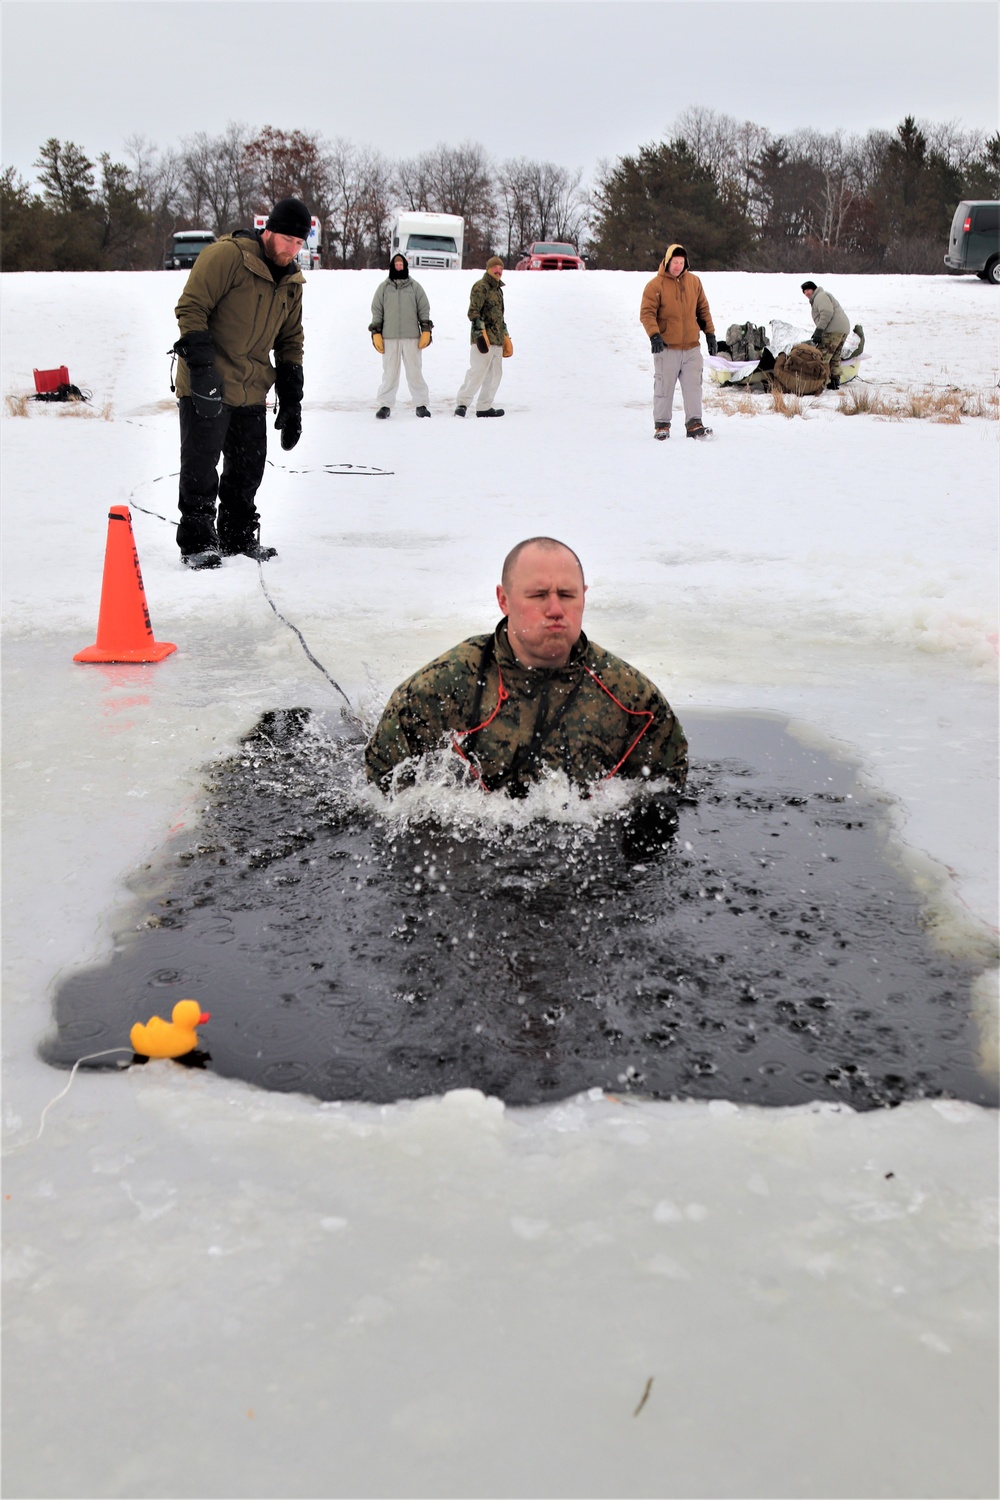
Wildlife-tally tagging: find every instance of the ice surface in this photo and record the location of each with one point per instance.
(213, 1290)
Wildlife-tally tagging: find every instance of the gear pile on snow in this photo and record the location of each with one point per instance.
(54, 385)
(784, 359)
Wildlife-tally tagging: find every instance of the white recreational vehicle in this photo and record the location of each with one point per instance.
(428, 240)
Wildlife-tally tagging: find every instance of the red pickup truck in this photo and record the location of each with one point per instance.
(547, 255)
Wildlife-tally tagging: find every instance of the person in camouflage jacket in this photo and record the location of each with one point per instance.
(490, 343)
(535, 695)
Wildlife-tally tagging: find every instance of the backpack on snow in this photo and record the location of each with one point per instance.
(801, 372)
(745, 341)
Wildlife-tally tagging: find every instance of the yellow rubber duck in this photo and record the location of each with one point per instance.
(169, 1038)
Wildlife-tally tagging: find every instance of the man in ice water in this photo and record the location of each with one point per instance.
(533, 696)
(242, 300)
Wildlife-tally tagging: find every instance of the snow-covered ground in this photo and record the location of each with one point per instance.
(214, 1291)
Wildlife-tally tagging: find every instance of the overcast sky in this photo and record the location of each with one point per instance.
(569, 81)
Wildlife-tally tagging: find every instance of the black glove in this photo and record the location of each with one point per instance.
(289, 424)
(817, 338)
(656, 344)
(712, 342)
(483, 341)
(198, 353)
(289, 384)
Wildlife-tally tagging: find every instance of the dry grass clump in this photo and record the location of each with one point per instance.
(738, 403)
(945, 404)
(21, 404)
(932, 404)
(75, 407)
(784, 404)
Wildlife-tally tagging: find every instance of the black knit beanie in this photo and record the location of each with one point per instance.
(290, 216)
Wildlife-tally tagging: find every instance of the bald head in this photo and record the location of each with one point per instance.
(546, 544)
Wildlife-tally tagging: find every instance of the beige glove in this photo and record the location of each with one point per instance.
(508, 347)
(378, 342)
(424, 339)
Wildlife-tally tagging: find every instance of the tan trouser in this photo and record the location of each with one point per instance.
(668, 367)
(483, 375)
(406, 351)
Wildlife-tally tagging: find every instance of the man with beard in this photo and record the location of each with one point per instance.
(242, 300)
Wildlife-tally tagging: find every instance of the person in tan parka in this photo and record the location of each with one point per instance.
(674, 311)
(241, 303)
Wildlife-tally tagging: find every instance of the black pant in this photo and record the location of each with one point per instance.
(239, 436)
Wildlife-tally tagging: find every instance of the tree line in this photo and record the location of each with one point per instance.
(736, 195)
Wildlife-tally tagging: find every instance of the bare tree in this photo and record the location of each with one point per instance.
(361, 188)
(156, 179)
(725, 147)
(540, 201)
(220, 185)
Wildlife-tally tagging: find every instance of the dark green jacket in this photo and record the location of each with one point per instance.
(231, 293)
(485, 309)
(557, 718)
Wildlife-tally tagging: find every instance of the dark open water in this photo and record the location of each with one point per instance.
(752, 941)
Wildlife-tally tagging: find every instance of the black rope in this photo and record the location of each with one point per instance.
(302, 642)
(352, 715)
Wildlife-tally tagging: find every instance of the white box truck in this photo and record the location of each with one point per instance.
(428, 240)
(309, 257)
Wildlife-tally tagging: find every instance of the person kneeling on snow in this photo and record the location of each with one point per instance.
(534, 696)
(400, 328)
(832, 327)
(673, 311)
(242, 300)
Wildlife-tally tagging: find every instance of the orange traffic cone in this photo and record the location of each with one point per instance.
(123, 629)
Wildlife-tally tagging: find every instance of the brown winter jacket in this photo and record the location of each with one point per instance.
(231, 293)
(675, 307)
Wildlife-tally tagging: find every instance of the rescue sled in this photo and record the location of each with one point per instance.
(747, 355)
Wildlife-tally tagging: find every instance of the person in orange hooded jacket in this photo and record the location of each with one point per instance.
(674, 311)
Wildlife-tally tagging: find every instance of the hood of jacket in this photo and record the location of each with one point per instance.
(395, 275)
(671, 251)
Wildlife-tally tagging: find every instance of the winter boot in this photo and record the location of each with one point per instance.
(246, 544)
(696, 428)
(210, 557)
(253, 550)
(491, 411)
(382, 413)
(422, 411)
(460, 411)
(834, 384)
(661, 431)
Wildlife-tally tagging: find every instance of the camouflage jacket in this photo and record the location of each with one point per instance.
(486, 309)
(563, 718)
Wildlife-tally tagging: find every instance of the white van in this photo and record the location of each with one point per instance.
(428, 240)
